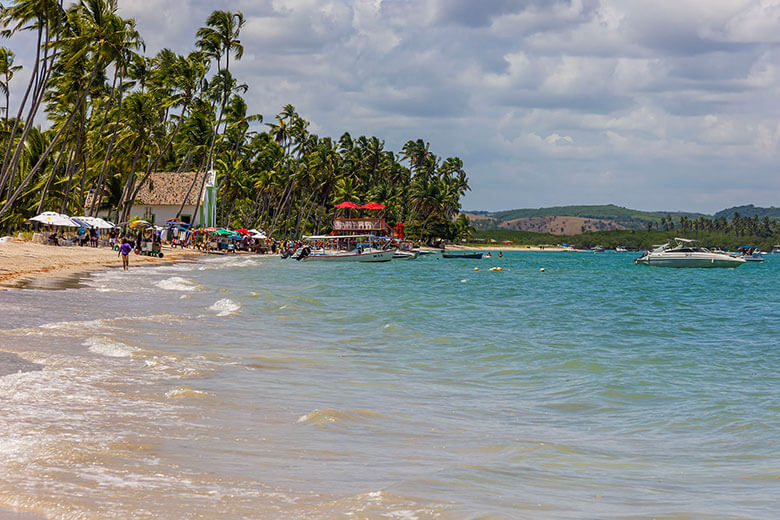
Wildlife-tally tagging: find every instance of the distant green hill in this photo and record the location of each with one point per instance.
(749, 211)
(629, 218)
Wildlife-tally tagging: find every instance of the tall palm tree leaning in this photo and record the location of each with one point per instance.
(218, 38)
(46, 18)
(7, 70)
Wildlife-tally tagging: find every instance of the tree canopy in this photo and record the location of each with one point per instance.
(116, 115)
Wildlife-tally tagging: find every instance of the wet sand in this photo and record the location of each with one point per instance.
(7, 514)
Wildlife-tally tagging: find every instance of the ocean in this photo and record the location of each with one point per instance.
(254, 387)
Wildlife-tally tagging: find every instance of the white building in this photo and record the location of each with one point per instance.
(161, 196)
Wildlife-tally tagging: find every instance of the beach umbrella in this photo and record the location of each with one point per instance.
(52, 218)
(139, 223)
(372, 205)
(347, 205)
(93, 222)
(176, 222)
(82, 222)
(257, 234)
(243, 231)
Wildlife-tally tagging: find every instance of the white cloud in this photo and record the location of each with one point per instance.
(669, 103)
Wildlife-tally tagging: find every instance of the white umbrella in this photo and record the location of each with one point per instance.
(52, 218)
(95, 222)
(257, 234)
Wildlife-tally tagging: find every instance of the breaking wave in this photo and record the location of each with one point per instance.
(225, 307)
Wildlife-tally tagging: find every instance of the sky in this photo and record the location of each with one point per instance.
(655, 105)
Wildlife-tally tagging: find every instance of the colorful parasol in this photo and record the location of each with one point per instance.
(372, 205)
(345, 205)
(139, 223)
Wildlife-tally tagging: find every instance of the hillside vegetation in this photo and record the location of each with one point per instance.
(607, 216)
(749, 211)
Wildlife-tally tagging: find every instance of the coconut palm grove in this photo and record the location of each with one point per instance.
(99, 116)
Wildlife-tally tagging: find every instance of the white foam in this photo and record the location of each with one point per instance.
(176, 283)
(108, 347)
(225, 307)
(182, 392)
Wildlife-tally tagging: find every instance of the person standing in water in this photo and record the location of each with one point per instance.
(124, 252)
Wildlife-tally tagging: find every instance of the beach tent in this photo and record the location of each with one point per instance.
(52, 218)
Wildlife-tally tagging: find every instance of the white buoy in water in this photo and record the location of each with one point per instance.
(541, 270)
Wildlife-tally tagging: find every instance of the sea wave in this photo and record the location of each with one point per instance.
(185, 392)
(331, 415)
(225, 307)
(108, 347)
(177, 283)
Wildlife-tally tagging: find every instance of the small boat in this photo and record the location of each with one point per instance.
(404, 254)
(344, 248)
(621, 249)
(684, 254)
(462, 254)
(750, 254)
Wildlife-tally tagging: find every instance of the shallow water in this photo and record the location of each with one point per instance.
(251, 387)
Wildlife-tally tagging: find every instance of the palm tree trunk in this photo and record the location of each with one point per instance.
(39, 78)
(120, 207)
(98, 197)
(61, 154)
(49, 148)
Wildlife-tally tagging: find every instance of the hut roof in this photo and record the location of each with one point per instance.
(169, 188)
(165, 188)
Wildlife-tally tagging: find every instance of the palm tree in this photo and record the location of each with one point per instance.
(46, 18)
(7, 70)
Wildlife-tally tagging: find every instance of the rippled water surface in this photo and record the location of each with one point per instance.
(251, 387)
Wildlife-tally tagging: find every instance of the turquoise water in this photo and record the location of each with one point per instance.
(261, 388)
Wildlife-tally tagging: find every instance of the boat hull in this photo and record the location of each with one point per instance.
(689, 260)
(475, 256)
(371, 256)
(405, 255)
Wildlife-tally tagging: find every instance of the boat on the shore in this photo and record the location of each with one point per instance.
(343, 248)
(684, 254)
(462, 254)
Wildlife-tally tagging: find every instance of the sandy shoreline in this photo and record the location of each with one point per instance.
(25, 264)
(22, 263)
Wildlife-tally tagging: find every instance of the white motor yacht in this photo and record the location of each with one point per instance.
(685, 254)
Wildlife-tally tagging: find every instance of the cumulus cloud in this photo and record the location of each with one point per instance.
(656, 105)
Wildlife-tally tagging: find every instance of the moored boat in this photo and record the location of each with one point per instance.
(750, 254)
(684, 254)
(402, 254)
(461, 254)
(343, 248)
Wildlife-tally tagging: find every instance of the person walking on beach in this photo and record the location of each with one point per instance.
(124, 252)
